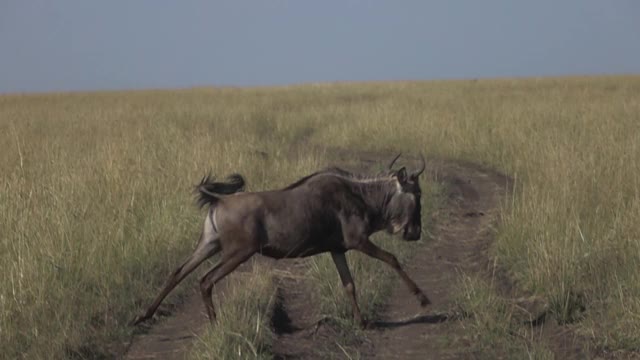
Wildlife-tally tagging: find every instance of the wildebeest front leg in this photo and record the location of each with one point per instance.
(372, 250)
(340, 260)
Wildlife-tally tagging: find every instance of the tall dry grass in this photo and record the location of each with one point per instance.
(96, 203)
(571, 233)
(96, 207)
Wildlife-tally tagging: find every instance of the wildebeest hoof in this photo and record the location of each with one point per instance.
(364, 324)
(424, 301)
(138, 319)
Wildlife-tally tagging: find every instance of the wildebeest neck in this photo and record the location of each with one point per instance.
(376, 194)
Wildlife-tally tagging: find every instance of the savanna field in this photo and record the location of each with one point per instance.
(96, 204)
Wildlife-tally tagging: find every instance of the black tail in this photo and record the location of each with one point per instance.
(208, 191)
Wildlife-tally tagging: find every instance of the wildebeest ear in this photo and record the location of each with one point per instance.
(402, 175)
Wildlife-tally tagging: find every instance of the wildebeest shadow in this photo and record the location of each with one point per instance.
(417, 319)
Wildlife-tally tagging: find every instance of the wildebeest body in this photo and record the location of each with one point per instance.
(298, 222)
(329, 211)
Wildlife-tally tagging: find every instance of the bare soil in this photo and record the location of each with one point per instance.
(463, 231)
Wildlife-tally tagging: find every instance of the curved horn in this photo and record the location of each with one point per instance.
(424, 165)
(394, 160)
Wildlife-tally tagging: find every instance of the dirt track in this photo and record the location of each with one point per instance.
(462, 234)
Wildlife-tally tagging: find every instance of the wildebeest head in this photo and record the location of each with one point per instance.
(404, 209)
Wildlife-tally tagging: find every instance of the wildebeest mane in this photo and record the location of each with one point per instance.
(302, 180)
(334, 170)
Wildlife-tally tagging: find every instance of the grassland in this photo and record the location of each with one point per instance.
(96, 210)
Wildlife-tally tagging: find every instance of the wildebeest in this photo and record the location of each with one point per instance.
(328, 211)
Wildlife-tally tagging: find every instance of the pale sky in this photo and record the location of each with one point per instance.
(63, 45)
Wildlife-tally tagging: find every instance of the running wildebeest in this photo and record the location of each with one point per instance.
(328, 211)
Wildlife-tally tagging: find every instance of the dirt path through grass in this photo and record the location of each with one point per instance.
(460, 243)
(462, 234)
(461, 237)
(171, 335)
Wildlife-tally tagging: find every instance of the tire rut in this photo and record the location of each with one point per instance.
(172, 335)
(464, 228)
(460, 242)
(463, 232)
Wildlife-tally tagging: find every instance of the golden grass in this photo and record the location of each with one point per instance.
(96, 208)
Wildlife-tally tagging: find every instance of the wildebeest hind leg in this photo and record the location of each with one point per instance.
(226, 265)
(206, 248)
